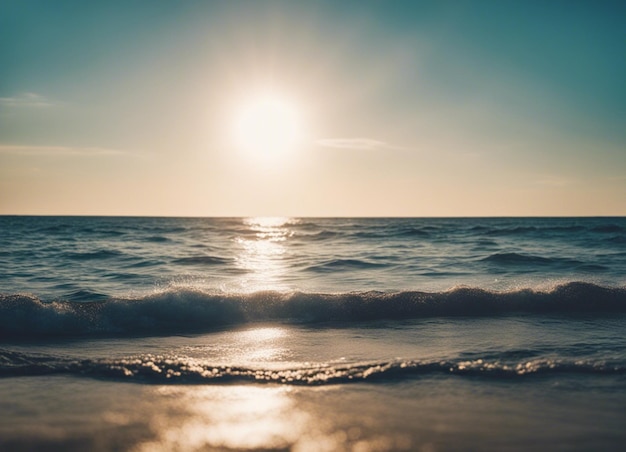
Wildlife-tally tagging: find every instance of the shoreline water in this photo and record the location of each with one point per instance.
(72, 413)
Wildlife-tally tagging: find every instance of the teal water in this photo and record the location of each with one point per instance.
(91, 258)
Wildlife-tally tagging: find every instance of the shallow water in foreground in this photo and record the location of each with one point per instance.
(512, 383)
(333, 334)
(496, 383)
(430, 414)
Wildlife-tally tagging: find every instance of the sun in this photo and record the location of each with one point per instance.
(267, 126)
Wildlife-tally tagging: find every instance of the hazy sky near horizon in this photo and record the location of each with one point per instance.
(404, 108)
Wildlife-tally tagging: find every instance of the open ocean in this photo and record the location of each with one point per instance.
(195, 334)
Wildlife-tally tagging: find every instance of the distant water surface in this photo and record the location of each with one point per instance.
(83, 258)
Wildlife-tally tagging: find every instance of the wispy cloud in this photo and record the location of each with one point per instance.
(360, 144)
(56, 150)
(25, 100)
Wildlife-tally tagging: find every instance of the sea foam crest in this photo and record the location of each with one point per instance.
(160, 369)
(188, 310)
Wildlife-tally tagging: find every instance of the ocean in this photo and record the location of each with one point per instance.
(312, 334)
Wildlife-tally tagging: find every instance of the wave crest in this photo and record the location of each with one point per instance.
(159, 369)
(187, 310)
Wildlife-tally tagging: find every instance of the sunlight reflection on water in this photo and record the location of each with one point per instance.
(236, 417)
(263, 256)
(225, 417)
(260, 418)
(262, 344)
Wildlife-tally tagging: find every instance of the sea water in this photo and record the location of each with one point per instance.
(146, 334)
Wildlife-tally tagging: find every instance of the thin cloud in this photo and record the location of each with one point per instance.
(360, 144)
(56, 150)
(25, 100)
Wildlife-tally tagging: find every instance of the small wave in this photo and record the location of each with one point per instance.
(572, 228)
(608, 228)
(202, 260)
(143, 263)
(157, 239)
(306, 225)
(161, 229)
(515, 258)
(368, 235)
(440, 274)
(321, 235)
(526, 259)
(617, 239)
(512, 231)
(485, 242)
(593, 268)
(414, 232)
(390, 233)
(107, 232)
(52, 229)
(189, 311)
(159, 369)
(85, 295)
(521, 230)
(93, 255)
(344, 264)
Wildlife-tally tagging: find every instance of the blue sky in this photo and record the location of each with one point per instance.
(407, 108)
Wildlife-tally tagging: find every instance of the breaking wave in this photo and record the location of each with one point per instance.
(160, 369)
(188, 310)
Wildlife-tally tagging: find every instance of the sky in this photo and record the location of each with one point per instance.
(318, 108)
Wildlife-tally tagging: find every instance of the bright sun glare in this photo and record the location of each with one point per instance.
(268, 127)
